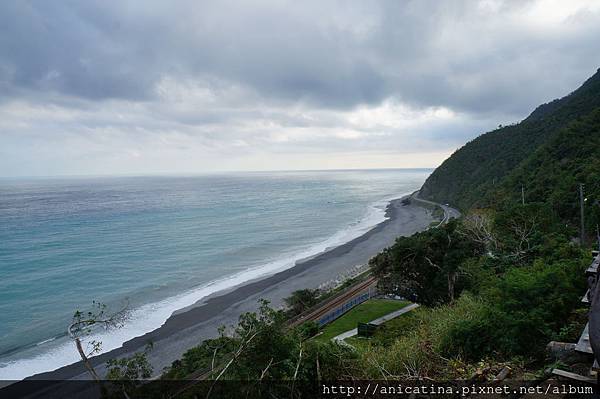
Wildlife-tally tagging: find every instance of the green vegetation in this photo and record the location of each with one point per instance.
(127, 372)
(261, 349)
(132, 368)
(515, 266)
(388, 332)
(363, 313)
(495, 286)
(519, 280)
(301, 301)
(552, 174)
(527, 153)
(422, 348)
(522, 287)
(426, 267)
(438, 214)
(84, 323)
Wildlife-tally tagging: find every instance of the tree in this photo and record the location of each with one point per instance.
(425, 267)
(131, 368)
(301, 300)
(478, 227)
(83, 325)
(521, 230)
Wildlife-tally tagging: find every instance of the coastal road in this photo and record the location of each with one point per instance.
(449, 212)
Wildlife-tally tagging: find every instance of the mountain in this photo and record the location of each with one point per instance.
(553, 172)
(493, 166)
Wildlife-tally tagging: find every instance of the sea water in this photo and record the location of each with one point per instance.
(158, 244)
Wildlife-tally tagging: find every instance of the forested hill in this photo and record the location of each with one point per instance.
(552, 174)
(486, 166)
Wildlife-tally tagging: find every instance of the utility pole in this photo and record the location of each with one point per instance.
(581, 202)
(522, 195)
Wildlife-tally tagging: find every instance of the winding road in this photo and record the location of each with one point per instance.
(449, 212)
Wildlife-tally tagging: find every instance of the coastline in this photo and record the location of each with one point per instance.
(189, 326)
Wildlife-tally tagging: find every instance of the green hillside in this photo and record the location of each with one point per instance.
(552, 173)
(475, 171)
(495, 286)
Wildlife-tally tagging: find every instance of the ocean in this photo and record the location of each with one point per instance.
(159, 244)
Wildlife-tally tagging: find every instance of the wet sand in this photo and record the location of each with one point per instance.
(189, 327)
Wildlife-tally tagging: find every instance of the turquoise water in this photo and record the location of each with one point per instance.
(161, 243)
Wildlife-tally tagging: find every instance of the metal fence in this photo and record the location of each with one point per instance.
(340, 310)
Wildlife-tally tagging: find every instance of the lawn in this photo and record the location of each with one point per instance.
(389, 331)
(363, 313)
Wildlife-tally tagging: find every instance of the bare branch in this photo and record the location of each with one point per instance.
(478, 227)
(264, 372)
(298, 364)
(83, 325)
(432, 264)
(241, 348)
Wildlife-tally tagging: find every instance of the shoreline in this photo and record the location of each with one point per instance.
(187, 327)
(193, 296)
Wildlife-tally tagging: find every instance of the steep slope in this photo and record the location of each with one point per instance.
(552, 173)
(468, 177)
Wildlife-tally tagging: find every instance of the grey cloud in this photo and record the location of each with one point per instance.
(297, 51)
(79, 79)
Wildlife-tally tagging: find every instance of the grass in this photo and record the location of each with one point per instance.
(389, 331)
(363, 313)
(360, 343)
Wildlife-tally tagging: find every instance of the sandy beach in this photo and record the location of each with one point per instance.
(189, 327)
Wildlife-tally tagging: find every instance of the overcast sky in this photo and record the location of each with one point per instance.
(148, 87)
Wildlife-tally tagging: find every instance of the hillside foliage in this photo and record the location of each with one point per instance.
(495, 286)
(496, 163)
(552, 174)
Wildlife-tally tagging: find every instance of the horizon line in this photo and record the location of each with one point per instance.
(191, 174)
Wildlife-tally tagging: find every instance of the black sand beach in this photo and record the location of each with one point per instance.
(189, 327)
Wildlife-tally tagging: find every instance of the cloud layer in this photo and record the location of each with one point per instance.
(186, 86)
